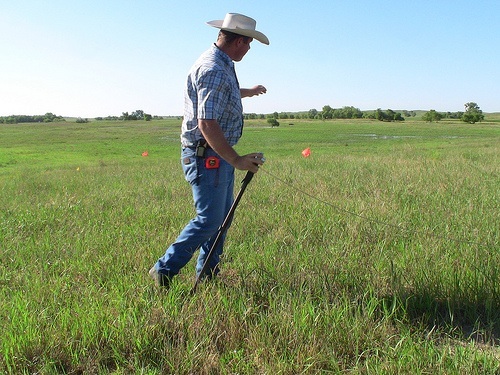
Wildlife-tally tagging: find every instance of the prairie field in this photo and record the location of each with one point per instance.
(377, 254)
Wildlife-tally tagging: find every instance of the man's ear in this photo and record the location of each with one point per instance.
(243, 40)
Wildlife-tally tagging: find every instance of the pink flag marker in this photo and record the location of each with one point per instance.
(306, 153)
(145, 153)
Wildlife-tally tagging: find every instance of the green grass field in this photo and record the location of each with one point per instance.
(378, 254)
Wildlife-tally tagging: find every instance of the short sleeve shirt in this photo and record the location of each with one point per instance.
(212, 92)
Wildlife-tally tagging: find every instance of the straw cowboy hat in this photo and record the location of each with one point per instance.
(241, 25)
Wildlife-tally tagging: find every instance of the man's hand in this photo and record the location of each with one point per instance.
(249, 162)
(256, 90)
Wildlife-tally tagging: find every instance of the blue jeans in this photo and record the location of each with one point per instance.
(213, 197)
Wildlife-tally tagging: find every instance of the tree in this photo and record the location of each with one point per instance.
(432, 116)
(312, 113)
(369, 115)
(455, 115)
(350, 112)
(380, 115)
(390, 115)
(472, 113)
(398, 117)
(273, 122)
(327, 112)
(50, 117)
(138, 114)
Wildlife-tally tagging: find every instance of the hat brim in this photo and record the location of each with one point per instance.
(245, 32)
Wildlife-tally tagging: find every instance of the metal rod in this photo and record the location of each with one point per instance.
(223, 228)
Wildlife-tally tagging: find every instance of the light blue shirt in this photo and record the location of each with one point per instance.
(212, 92)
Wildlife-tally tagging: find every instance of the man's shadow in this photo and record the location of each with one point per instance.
(464, 312)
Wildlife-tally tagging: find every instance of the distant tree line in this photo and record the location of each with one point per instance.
(17, 119)
(329, 113)
(50, 117)
(133, 116)
(137, 115)
(471, 115)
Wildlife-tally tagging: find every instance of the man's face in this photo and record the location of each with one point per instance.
(243, 46)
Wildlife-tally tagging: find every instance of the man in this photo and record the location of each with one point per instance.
(212, 125)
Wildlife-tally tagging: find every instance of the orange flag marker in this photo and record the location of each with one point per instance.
(306, 153)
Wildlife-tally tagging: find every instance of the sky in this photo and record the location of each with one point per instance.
(86, 58)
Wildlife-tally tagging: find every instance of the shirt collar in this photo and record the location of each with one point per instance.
(224, 56)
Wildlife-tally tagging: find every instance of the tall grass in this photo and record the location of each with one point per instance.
(377, 254)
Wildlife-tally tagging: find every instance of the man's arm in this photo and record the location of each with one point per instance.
(256, 90)
(213, 134)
